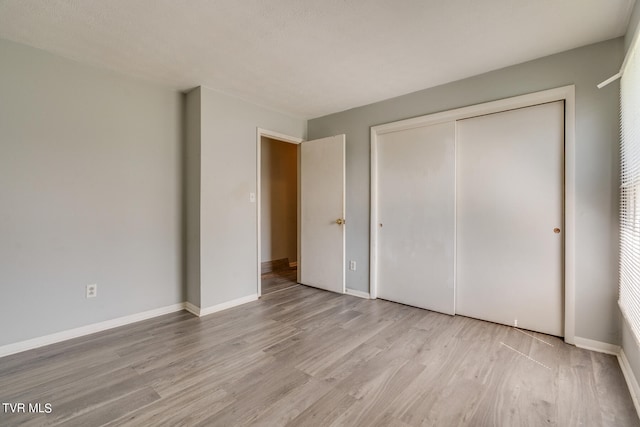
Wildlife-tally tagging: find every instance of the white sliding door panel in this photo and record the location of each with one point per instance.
(416, 215)
(322, 209)
(509, 201)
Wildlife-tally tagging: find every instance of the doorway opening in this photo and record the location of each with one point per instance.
(278, 212)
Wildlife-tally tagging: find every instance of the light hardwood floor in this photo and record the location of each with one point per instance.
(307, 357)
(278, 280)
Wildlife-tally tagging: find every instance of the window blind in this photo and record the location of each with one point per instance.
(630, 190)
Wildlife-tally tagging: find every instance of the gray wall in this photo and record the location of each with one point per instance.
(228, 220)
(279, 200)
(191, 189)
(633, 25)
(90, 192)
(597, 167)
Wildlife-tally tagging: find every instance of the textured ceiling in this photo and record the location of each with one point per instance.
(310, 57)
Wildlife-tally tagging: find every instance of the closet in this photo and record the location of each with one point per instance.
(469, 215)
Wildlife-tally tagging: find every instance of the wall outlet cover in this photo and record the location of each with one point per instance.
(92, 290)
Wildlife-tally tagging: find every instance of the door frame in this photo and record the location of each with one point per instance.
(282, 138)
(564, 93)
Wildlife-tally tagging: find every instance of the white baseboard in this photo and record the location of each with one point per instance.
(219, 307)
(616, 350)
(358, 294)
(21, 346)
(599, 346)
(191, 308)
(630, 378)
(30, 344)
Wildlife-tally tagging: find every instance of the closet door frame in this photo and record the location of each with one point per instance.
(566, 94)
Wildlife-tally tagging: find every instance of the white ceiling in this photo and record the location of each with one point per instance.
(310, 57)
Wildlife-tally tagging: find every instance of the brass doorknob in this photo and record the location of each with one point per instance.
(556, 230)
(340, 221)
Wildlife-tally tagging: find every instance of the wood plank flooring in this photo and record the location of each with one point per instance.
(306, 357)
(279, 279)
(275, 265)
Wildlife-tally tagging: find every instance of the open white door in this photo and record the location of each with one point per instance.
(322, 213)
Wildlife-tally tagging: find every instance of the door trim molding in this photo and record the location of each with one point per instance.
(278, 137)
(566, 94)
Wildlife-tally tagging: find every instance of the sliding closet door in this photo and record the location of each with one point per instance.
(510, 217)
(416, 207)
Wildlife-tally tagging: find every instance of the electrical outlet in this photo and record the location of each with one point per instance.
(352, 265)
(515, 323)
(92, 290)
(252, 197)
